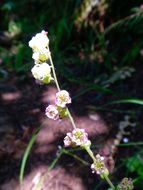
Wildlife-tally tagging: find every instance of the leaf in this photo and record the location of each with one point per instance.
(26, 154)
(135, 164)
(133, 101)
(131, 21)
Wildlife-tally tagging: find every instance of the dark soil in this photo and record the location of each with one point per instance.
(22, 112)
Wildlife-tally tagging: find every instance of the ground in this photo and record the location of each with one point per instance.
(22, 110)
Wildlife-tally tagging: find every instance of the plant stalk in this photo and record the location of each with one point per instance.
(54, 73)
(89, 151)
(109, 182)
(58, 87)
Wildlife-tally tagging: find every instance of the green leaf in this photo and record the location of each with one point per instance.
(133, 101)
(135, 164)
(26, 154)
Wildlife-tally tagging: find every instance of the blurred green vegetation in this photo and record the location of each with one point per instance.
(95, 46)
(109, 35)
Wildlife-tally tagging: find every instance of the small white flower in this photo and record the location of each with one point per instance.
(42, 72)
(62, 98)
(41, 56)
(39, 41)
(52, 112)
(78, 137)
(99, 166)
(67, 140)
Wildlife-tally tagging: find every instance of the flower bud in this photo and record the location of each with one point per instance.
(42, 72)
(62, 112)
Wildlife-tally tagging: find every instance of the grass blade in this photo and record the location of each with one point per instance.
(26, 154)
(133, 101)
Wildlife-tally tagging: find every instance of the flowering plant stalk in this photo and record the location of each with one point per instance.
(44, 73)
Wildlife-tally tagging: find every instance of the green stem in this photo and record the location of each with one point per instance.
(71, 119)
(89, 151)
(56, 160)
(109, 182)
(54, 73)
(41, 181)
(75, 156)
(58, 87)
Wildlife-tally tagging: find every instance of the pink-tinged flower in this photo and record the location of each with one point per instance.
(126, 184)
(99, 166)
(62, 98)
(52, 112)
(67, 140)
(78, 137)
